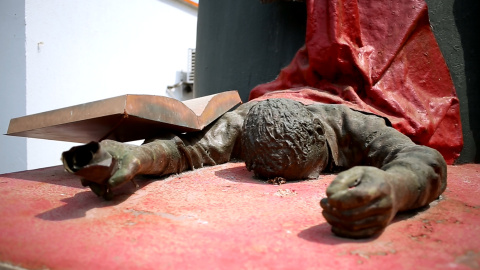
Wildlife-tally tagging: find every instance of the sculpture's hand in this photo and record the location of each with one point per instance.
(360, 202)
(128, 164)
(103, 165)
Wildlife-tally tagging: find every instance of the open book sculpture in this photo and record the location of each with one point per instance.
(124, 118)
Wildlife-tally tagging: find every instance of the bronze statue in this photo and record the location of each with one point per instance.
(384, 172)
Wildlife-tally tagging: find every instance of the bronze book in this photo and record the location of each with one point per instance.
(124, 118)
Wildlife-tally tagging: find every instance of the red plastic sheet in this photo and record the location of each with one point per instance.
(380, 57)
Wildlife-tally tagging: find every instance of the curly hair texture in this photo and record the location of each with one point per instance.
(281, 139)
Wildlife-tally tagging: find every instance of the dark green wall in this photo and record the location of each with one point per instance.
(455, 24)
(241, 44)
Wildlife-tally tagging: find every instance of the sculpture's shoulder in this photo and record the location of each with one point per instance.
(342, 113)
(334, 111)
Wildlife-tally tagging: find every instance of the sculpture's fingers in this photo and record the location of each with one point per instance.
(98, 189)
(355, 197)
(345, 180)
(119, 177)
(371, 187)
(358, 225)
(357, 234)
(377, 207)
(128, 169)
(79, 156)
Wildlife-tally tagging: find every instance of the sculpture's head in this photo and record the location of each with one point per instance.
(281, 138)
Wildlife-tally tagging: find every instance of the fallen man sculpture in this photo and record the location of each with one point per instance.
(384, 172)
(377, 58)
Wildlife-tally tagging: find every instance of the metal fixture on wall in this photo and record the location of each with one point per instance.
(183, 87)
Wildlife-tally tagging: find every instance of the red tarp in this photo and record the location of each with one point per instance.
(379, 57)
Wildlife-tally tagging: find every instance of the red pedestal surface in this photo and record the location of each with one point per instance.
(222, 218)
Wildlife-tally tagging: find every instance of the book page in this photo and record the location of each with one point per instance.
(198, 105)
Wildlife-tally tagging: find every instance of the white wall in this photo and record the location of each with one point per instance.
(13, 151)
(83, 50)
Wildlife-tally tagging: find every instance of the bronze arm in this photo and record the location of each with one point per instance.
(108, 164)
(385, 172)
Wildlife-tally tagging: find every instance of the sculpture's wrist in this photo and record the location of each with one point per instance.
(396, 195)
(404, 190)
(153, 158)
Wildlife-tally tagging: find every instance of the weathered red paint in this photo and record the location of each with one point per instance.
(379, 57)
(221, 218)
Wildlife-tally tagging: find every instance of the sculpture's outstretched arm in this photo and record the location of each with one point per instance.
(108, 164)
(388, 173)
